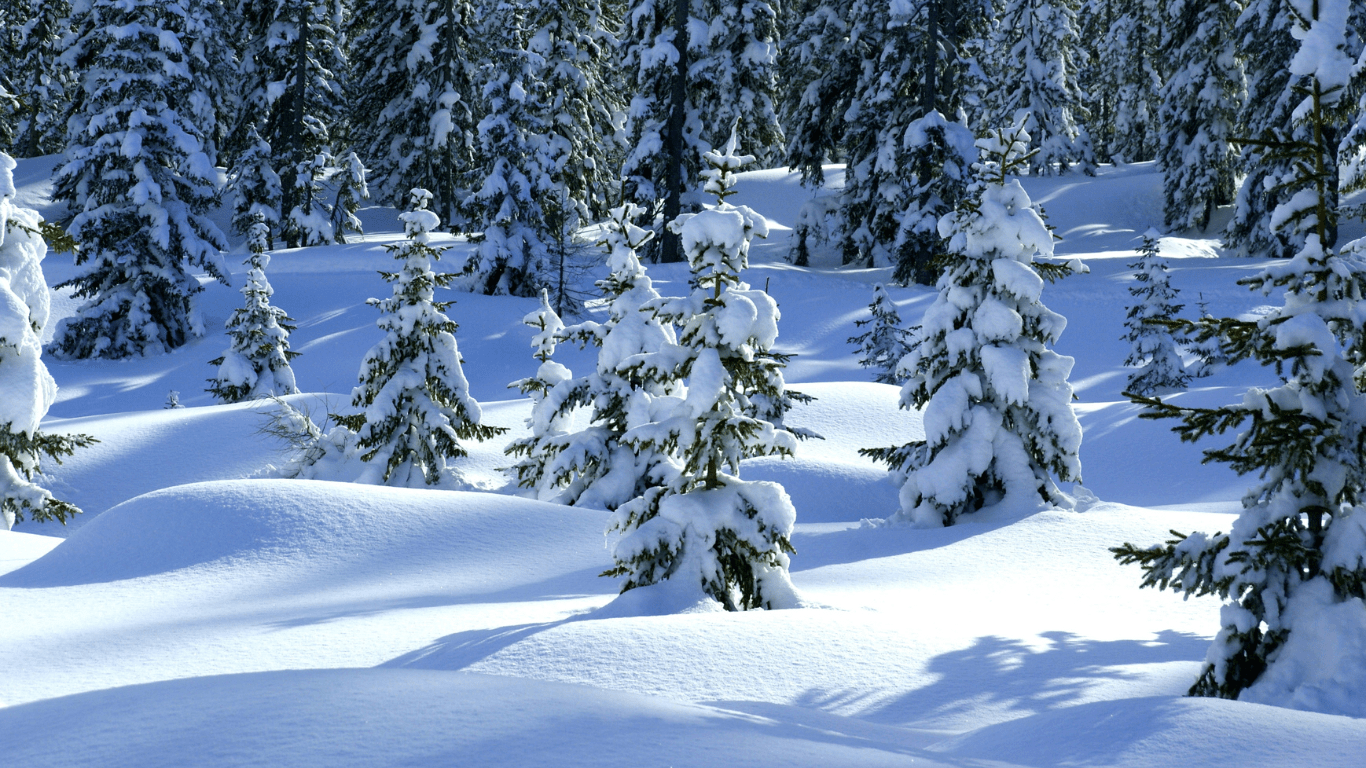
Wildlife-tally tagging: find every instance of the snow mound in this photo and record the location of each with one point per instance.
(366, 532)
(1154, 731)
(345, 717)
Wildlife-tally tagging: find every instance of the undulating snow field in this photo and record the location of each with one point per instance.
(202, 613)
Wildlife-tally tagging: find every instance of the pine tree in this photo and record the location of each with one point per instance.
(885, 342)
(513, 254)
(416, 401)
(1034, 54)
(1128, 65)
(140, 184)
(998, 406)
(935, 167)
(592, 467)
(255, 188)
(256, 363)
(1154, 350)
(820, 66)
(349, 179)
(1265, 46)
(1295, 555)
(735, 68)
(416, 111)
(729, 538)
(295, 71)
(554, 394)
(29, 388)
(1199, 113)
(41, 81)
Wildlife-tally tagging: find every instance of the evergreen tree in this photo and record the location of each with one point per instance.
(584, 108)
(998, 406)
(935, 166)
(554, 395)
(1265, 46)
(40, 80)
(255, 188)
(416, 111)
(820, 65)
(513, 254)
(729, 538)
(256, 363)
(349, 178)
(29, 388)
(1294, 564)
(295, 69)
(885, 342)
(1035, 55)
(1128, 67)
(416, 401)
(1199, 113)
(592, 467)
(140, 184)
(688, 93)
(1154, 349)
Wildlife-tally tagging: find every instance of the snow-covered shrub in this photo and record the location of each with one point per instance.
(1292, 569)
(705, 527)
(26, 388)
(591, 466)
(416, 401)
(256, 363)
(818, 223)
(349, 178)
(1154, 350)
(997, 404)
(885, 342)
(140, 184)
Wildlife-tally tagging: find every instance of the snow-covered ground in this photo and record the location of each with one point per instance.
(202, 613)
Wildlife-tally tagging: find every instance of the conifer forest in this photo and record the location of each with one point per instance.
(683, 383)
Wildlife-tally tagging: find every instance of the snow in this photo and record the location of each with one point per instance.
(199, 612)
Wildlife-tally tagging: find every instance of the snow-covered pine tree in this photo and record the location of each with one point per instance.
(1265, 46)
(415, 115)
(295, 69)
(255, 188)
(140, 184)
(935, 166)
(1292, 570)
(998, 406)
(706, 529)
(214, 105)
(256, 362)
(1207, 350)
(1154, 350)
(1128, 65)
(28, 387)
(349, 178)
(513, 254)
(38, 76)
(591, 467)
(1199, 113)
(575, 42)
(819, 66)
(9, 111)
(735, 83)
(416, 400)
(885, 342)
(1035, 69)
(554, 394)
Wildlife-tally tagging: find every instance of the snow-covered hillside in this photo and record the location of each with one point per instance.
(202, 612)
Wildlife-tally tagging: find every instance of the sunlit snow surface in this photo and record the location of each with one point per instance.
(201, 613)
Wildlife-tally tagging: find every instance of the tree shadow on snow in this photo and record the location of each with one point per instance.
(1011, 679)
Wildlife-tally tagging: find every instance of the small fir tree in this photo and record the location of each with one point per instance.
(706, 528)
(349, 178)
(1293, 567)
(255, 188)
(138, 179)
(592, 467)
(885, 342)
(416, 398)
(551, 403)
(256, 363)
(1154, 351)
(998, 406)
(29, 388)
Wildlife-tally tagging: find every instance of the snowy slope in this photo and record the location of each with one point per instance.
(200, 612)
